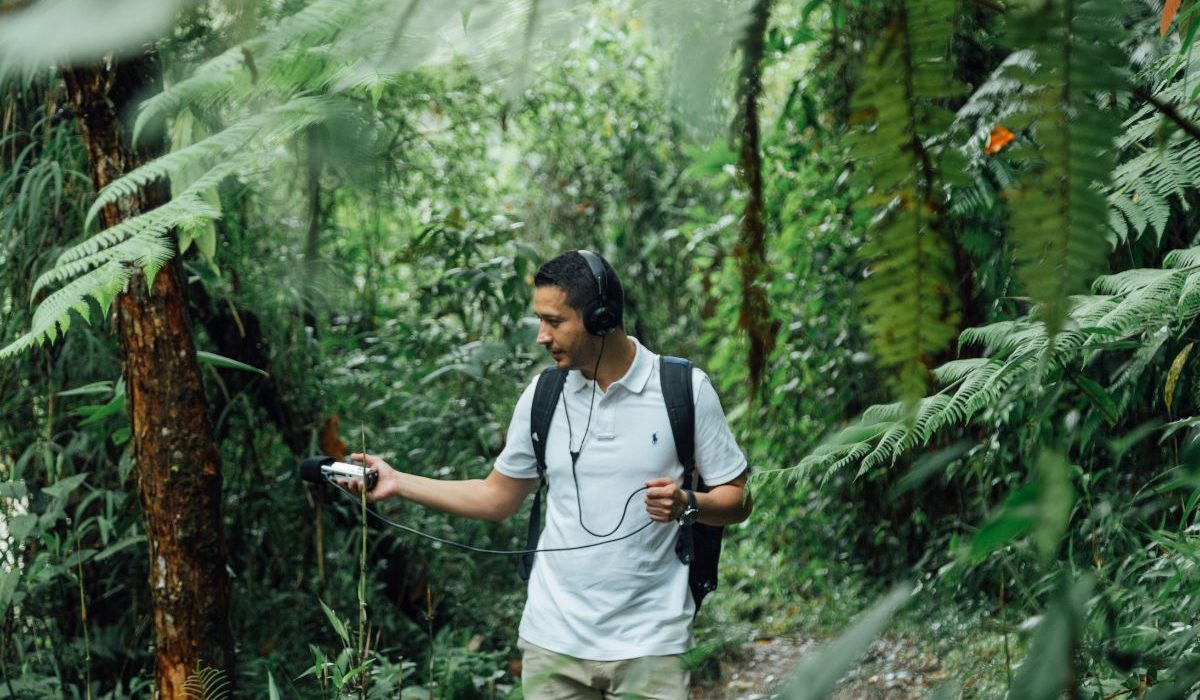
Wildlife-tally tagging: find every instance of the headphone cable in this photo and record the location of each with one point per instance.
(485, 550)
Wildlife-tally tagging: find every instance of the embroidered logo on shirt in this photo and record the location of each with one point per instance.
(654, 438)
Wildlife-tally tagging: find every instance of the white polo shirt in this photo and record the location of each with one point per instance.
(625, 599)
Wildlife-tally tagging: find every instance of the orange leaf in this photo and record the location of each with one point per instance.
(999, 138)
(331, 444)
(1169, 10)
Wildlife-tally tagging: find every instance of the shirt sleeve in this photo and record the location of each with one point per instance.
(517, 459)
(718, 457)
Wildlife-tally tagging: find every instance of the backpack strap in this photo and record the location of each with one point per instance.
(675, 373)
(545, 400)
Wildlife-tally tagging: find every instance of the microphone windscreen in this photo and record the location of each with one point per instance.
(310, 469)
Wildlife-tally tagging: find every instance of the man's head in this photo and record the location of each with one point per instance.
(566, 291)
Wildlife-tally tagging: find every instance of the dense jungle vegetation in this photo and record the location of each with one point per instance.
(938, 256)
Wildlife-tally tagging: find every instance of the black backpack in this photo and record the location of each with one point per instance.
(699, 545)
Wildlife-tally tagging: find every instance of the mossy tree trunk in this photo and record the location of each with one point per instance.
(178, 463)
(755, 315)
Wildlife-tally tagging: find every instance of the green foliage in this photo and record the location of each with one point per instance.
(911, 296)
(1137, 305)
(206, 684)
(817, 675)
(1058, 214)
(371, 230)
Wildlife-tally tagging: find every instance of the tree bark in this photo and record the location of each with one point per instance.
(178, 464)
(755, 316)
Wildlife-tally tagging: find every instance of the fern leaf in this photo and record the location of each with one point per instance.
(53, 315)
(1058, 214)
(260, 59)
(188, 208)
(265, 129)
(206, 684)
(911, 299)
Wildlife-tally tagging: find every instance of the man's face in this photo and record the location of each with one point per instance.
(561, 330)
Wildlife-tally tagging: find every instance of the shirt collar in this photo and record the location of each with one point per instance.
(635, 378)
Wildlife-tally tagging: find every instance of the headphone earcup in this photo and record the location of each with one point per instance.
(599, 320)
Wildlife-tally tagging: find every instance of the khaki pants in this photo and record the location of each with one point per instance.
(547, 675)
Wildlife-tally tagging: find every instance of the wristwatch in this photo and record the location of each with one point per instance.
(690, 512)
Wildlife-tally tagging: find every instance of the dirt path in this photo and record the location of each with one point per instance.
(894, 669)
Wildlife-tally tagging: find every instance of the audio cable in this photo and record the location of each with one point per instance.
(484, 550)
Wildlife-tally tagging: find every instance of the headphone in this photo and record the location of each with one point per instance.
(599, 318)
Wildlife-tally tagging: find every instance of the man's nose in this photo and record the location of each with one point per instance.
(543, 336)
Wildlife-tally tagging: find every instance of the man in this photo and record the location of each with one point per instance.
(613, 618)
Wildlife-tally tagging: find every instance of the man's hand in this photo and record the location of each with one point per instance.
(388, 485)
(664, 499)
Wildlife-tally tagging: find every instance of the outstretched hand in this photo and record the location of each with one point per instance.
(664, 499)
(386, 487)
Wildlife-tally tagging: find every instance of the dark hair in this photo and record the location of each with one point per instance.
(570, 273)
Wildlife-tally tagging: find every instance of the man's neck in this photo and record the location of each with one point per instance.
(618, 356)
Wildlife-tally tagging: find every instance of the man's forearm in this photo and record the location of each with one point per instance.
(470, 498)
(724, 505)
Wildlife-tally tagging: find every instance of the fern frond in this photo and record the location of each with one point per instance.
(886, 446)
(955, 370)
(212, 81)
(910, 294)
(257, 62)
(1150, 296)
(1184, 257)
(1189, 298)
(142, 240)
(189, 207)
(53, 316)
(1059, 217)
(206, 683)
(1166, 166)
(1146, 304)
(262, 130)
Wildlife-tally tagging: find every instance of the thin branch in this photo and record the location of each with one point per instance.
(1170, 112)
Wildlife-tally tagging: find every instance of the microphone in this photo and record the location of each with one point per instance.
(320, 469)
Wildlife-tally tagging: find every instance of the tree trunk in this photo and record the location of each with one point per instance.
(178, 464)
(755, 316)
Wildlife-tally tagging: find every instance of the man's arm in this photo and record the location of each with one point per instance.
(493, 498)
(724, 504)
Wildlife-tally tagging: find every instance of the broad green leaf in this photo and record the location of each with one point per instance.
(94, 413)
(1015, 518)
(119, 545)
(20, 526)
(1046, 670)
(1100, 399)
(65, 486)
(469, 369)
(9, 578)
(338, 625)
(817, 674)
(225, 362)
(1173, 374)
(104, 387)
(13, 489)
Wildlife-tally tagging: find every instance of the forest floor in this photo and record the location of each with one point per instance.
(895, 668)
